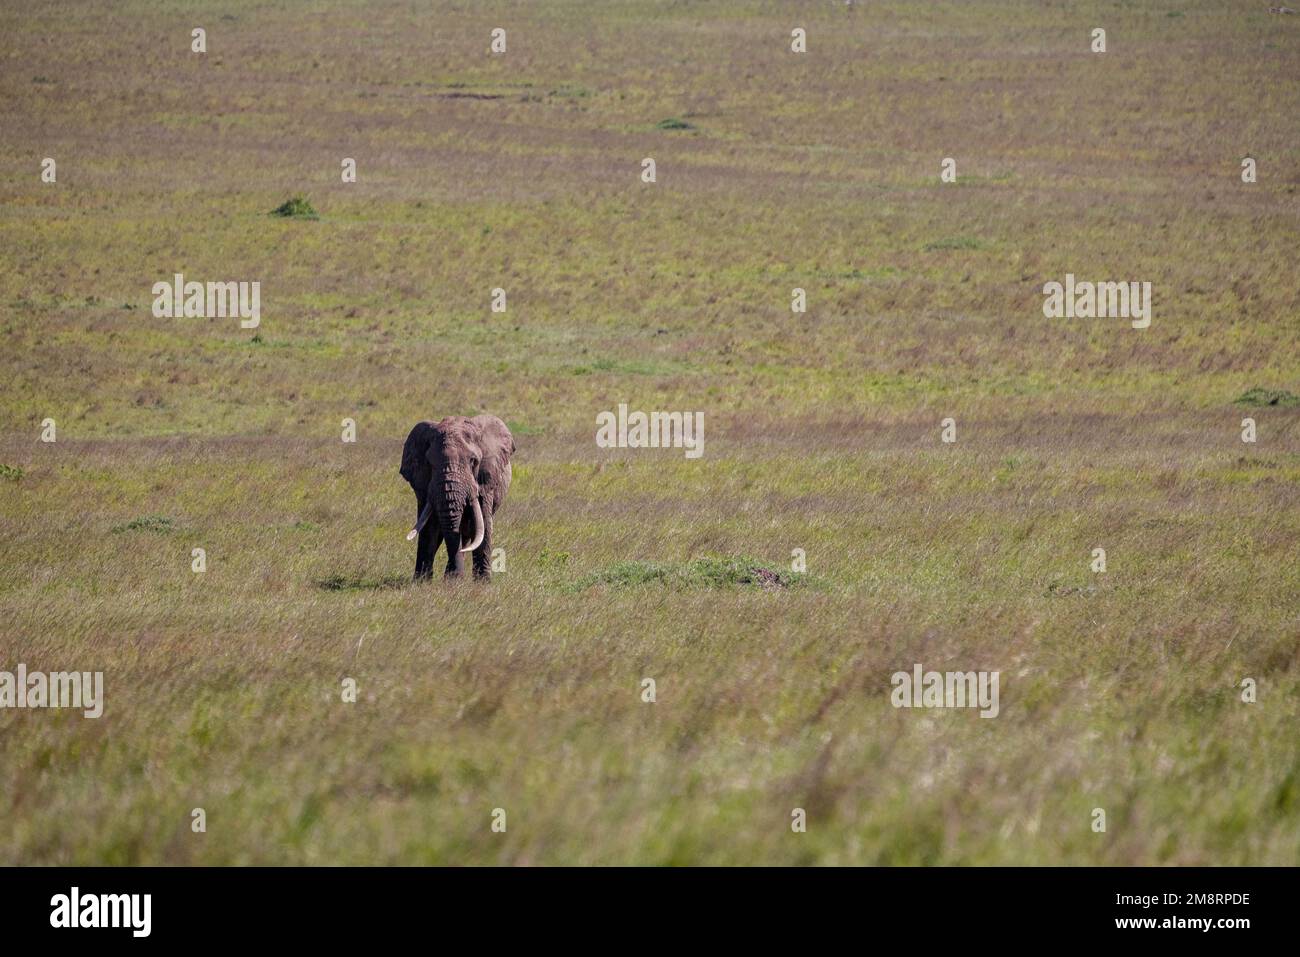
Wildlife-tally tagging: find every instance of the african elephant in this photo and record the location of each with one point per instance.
(460, 471)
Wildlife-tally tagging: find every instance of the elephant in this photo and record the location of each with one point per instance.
(460, 471)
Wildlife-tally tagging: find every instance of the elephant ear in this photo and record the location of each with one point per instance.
(415, 461)
(494, 439)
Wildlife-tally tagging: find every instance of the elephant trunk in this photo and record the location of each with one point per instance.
(451, 499)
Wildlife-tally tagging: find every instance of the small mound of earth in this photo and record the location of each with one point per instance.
(767, 579)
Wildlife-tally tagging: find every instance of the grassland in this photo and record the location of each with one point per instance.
(1119, 690)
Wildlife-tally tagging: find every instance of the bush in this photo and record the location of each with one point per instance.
(1258, 396)
(297, 208)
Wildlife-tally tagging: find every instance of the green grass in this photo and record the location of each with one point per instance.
(150, 523)
(957, 242)
(1120, 689)
(708, 572)
(1276, 397)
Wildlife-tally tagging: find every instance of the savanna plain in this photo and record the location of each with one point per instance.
(1120, 690)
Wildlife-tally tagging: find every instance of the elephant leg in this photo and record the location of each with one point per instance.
(425, 546)
(483, 554)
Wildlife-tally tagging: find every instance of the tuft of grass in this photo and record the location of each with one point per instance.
(707, 572)
(11, 473)
(953, 242)
(1258, 396)
(299, 207)
(1059, 589)
(149, 523)
(673, 123)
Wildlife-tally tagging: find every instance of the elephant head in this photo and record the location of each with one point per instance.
(460, 471)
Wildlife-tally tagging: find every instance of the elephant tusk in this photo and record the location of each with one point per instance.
(479, 530)
(419, 522)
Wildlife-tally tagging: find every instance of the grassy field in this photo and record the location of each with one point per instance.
(775, 170)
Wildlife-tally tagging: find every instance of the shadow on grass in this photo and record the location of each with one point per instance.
(362, 582)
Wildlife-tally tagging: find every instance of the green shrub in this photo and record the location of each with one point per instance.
(1258, 396)
(297, 208)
